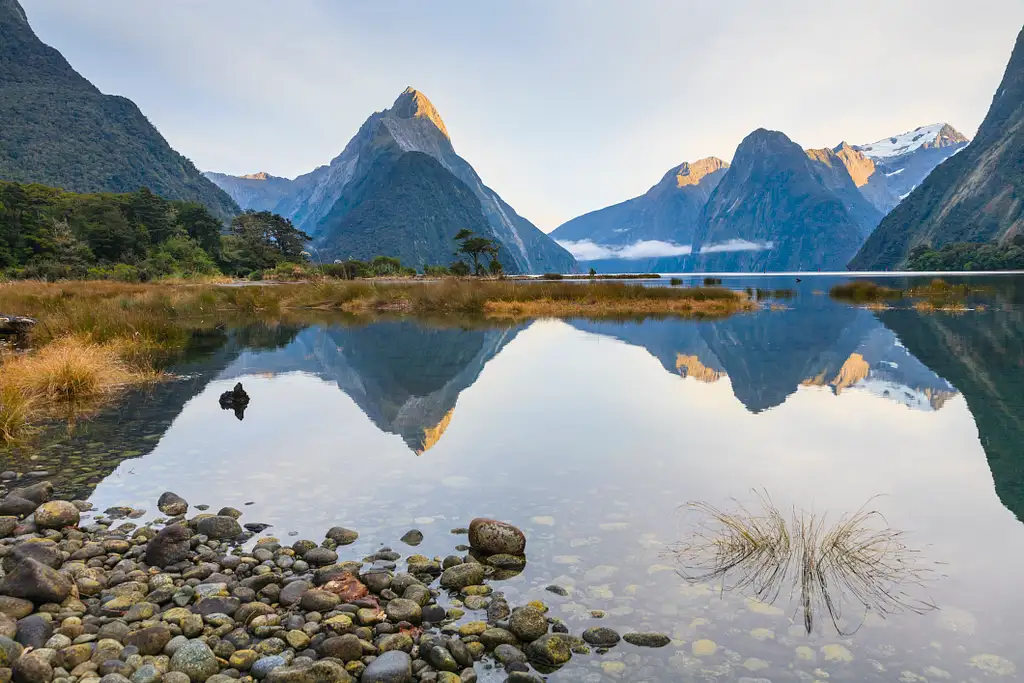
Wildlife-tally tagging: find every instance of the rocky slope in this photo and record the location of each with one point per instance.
(668, 212)
(59, 130)
(778, 209)
(976, 195)
(320, 201)
(256, 191)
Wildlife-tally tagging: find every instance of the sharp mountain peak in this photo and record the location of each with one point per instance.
(413, 104)
(691, 173)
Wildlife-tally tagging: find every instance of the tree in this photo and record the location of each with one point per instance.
(201, 225)
(592, 272)
(460, 269)
(475, 247)
(262, 240)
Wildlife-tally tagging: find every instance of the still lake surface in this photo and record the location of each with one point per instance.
(593, 436)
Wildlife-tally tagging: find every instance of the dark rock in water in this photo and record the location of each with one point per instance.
(492, 537)
(33, 580)
(550, 650)
(169, 546)
(557, 590)
(172, 504)
(257, 527)
(601, 636)
(462, 575)
(236, 400)
(16, 506)
(647, 639)
(38, 493)
(393, 666)
(219, 527)
(528, 624)
(441, 659)
(523, 677)
(413, 537)
(15, 324)
(342, 536)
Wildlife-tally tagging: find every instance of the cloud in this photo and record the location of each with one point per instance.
(585, 250)
(735, 245)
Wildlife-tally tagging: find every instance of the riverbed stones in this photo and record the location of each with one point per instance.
(647, 639)
(462, 575)
(318, 600)
(219, 527)
(342, 536)
(324, 671)
(38, 493)
(394, 666)
(170, 546)
(33, 580)
(16, 506)
(172, 504)
(56, 514)
(550, 650)
(527, 623)
(46, 552)
(401, 609)
(32, 667)
(196, 660)
(601, 636)
(492, 537)
(151, 640)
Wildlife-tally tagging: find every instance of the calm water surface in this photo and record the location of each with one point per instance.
(592, 436)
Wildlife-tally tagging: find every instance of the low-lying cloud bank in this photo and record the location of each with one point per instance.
(585, 250)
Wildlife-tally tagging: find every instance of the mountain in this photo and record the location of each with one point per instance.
(767, 357)
(60, 130)
(405, 376)
(866, 175)
(976, 195)
(668, 212)
(412, 210)
(778, 209)
(256, 191)
(902, 162)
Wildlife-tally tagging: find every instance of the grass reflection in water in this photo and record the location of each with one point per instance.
(846, 569)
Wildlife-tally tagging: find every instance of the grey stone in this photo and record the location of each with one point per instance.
(170, 546)
(528, 623)
(601, 636)
(33, 580)
(462, 575)
(196, 660)
(172, 504)
(493, 537)
(391, 667)
(401, 609)
(219, 527)
(342, 536)
(647, 639)
(264, 665)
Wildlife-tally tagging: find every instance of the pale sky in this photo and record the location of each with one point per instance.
(562, 106)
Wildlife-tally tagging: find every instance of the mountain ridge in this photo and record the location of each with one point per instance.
(60, 130)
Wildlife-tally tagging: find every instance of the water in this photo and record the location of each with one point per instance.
(592, 436)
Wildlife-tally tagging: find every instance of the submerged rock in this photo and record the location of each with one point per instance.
(236, 400)
(172, 504)
(492, 537)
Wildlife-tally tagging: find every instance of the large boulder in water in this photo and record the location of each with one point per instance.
(172, 504)
(219, 527)
(493, 537)
(33, 580)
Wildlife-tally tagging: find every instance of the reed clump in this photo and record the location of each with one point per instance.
(864, 291)
(844, 570)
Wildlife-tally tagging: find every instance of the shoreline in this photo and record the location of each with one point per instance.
(186, 599)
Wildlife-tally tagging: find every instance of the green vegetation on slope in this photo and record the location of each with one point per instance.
(51, 234)
(59, 130)
(970, 256)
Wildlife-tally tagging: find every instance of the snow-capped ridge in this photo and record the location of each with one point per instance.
(934, 135)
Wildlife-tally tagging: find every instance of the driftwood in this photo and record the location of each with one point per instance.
(15, 324)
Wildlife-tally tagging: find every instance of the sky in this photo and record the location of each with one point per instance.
(562, 106)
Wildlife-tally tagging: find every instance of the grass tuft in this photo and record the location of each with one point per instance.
(844, 570)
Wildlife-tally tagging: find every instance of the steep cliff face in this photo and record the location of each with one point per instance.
(976, 195)
(777, 209)
(58, 129)
(256, 191)
(319, 201)
(668, 212)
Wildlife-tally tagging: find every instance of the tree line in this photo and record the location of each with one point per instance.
(48, 233)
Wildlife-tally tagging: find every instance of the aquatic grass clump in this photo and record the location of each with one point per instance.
(864, 291)
(858, 564)
(16, 410)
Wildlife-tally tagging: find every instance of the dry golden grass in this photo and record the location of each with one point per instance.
(16, 413)
(844, 570)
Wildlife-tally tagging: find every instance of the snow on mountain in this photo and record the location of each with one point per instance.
(935, 135)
